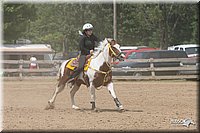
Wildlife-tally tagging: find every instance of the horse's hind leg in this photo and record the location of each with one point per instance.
(112, 92)
(59, 88)
(73, 91)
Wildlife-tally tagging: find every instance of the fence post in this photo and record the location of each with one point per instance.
(152, 68)
(20, 69)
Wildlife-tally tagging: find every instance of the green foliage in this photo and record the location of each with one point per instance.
(154, 25)
(16, 18)
(177, 20)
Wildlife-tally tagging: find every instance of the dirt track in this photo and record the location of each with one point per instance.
(149, 105)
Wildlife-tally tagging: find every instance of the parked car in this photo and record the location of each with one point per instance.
(127, 53)
(158, 54)
(192, 50)
(155, 54)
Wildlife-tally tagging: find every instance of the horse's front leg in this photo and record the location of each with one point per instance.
(112, 92)
(92, 95)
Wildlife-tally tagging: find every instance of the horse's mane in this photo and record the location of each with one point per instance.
(100, 47)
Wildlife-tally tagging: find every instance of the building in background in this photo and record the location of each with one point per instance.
(24, 51)
(19, 52)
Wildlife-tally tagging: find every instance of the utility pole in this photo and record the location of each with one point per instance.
(114, 20)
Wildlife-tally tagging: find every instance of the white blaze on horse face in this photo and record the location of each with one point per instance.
(117, 46)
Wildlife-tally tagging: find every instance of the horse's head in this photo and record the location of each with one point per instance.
(114, 50)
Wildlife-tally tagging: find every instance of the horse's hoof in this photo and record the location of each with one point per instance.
(121, 108)
(49, 107)
(75, 107)
(96, 110)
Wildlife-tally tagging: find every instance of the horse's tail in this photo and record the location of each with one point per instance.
(59, 74)
(61, 69)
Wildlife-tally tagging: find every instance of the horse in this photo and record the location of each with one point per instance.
(98, 74)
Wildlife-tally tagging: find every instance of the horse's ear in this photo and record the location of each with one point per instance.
(106, 39)
(109, 39)
(113, 42)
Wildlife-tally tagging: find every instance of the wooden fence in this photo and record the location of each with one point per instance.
(188, 65)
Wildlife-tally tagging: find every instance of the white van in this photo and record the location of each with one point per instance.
(192, 50)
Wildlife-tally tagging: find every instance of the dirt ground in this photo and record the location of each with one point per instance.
(149, 106)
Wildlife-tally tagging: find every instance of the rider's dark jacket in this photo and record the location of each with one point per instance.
(87, 43)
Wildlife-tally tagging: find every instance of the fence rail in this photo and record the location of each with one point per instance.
(192, 67)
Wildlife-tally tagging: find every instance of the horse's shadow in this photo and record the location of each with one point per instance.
(109, 110)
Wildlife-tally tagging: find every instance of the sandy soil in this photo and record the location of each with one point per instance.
(149, 105)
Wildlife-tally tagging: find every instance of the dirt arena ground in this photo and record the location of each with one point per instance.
(149, 106)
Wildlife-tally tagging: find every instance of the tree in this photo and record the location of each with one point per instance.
(16, 20)
(157, 25)
(154, 25)
(57, 23)
(176, 23)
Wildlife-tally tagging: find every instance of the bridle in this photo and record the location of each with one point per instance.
(113, 52)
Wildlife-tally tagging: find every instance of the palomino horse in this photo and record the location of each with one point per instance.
(98, 74)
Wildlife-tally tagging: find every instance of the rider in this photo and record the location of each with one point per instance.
(86, 45)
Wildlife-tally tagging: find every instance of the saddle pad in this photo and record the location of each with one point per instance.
(73, 63)
(70, 64)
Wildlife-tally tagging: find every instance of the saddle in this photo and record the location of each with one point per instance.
(73, 63)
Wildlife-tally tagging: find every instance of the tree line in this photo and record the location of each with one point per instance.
(154, 25)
